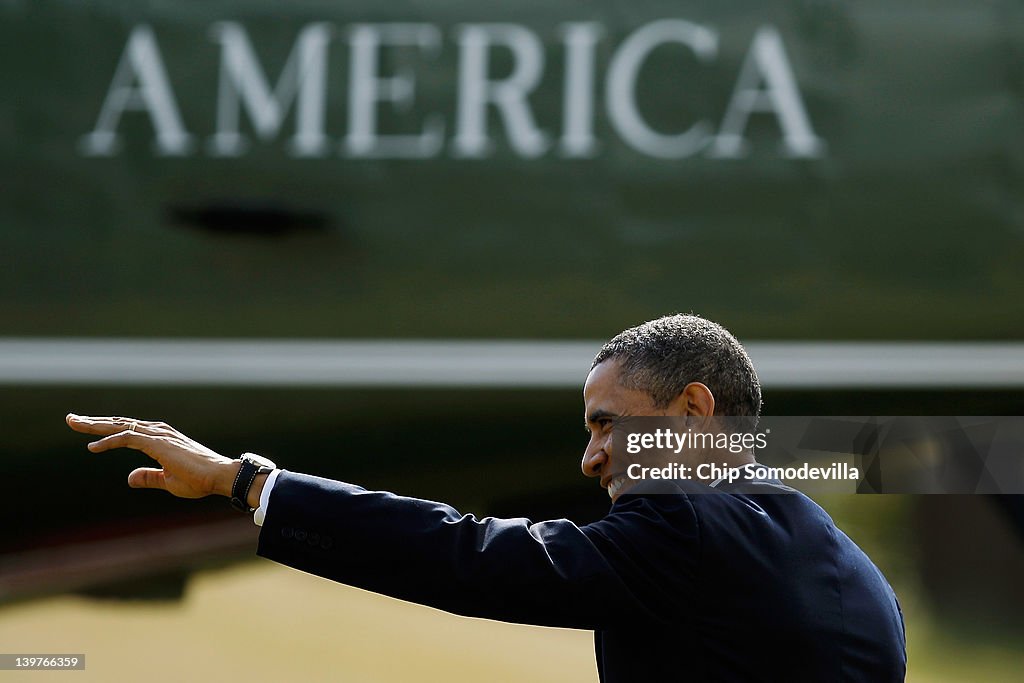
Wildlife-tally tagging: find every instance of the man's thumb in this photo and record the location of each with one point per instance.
(147, 478)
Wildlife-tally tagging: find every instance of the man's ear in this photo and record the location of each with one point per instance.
(695, 400)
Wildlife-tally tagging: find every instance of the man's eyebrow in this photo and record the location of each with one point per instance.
(598, 415)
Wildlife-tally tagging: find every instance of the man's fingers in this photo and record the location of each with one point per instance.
(86, 425)
(147, 478)
(98, 425)
(137, 440)
(112, 425)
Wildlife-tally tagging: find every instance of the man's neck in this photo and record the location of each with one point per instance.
(725, 458)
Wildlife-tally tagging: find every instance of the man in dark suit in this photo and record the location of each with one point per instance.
(744, 582)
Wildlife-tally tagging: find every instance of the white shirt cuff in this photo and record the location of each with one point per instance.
(261, 511)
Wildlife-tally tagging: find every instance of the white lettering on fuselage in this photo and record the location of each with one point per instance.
(766, 84)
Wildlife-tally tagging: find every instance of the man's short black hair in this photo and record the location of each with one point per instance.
(662, 356)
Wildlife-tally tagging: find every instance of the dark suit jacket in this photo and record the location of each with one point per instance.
(717, 585)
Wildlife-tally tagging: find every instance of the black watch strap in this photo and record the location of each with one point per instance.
(243, 482)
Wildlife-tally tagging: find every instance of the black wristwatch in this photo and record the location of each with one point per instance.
(252, 465)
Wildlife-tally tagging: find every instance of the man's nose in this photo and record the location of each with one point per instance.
(594, 459)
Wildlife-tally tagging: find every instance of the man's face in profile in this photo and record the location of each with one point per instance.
(605, 402)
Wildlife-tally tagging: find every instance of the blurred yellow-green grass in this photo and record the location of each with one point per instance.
(263, 622)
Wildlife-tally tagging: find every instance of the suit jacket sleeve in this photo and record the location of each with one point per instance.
(638, 562)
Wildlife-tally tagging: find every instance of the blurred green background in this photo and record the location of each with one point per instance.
(877, 198)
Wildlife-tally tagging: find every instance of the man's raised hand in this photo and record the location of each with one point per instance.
(188, 469)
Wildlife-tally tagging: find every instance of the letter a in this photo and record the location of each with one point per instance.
(766, 62)
(141, 63)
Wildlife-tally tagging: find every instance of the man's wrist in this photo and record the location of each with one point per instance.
(225, 478)
(253, 499)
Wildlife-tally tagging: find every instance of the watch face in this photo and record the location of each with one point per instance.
(260, 460)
